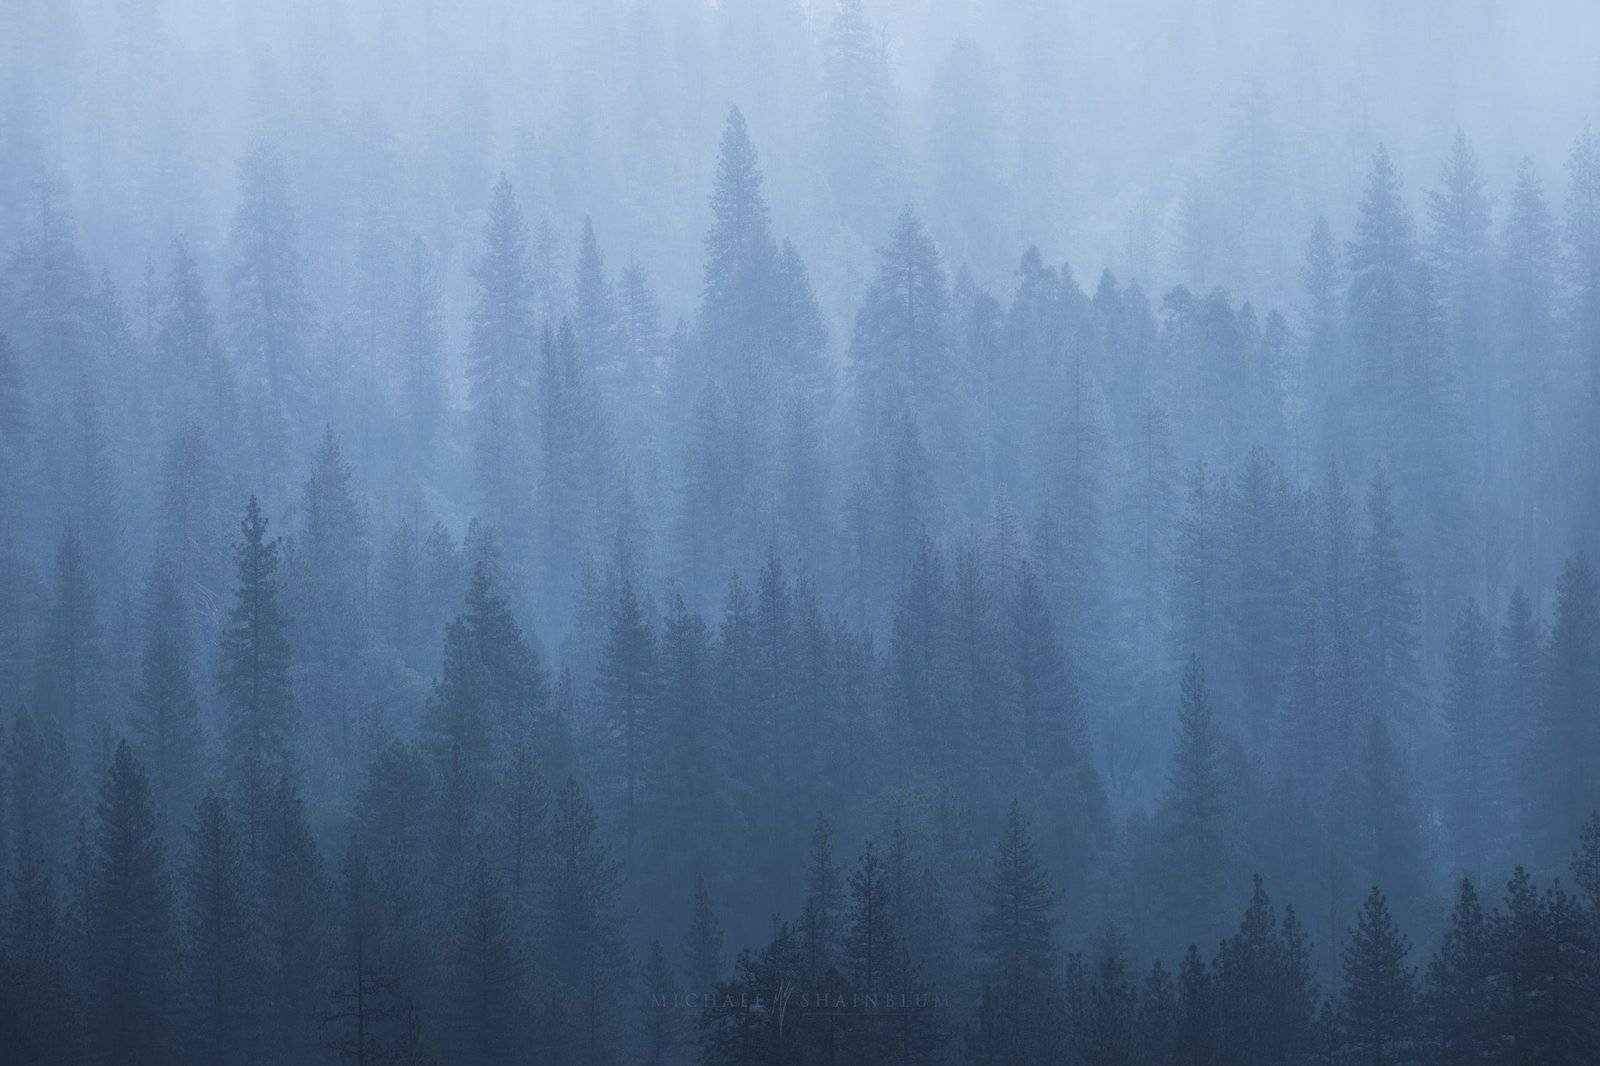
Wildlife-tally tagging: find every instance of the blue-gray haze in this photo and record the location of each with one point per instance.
(799, 531)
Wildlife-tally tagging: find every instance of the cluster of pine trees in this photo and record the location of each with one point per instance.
(548, 662)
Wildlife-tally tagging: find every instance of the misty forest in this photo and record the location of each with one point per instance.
(799, 532)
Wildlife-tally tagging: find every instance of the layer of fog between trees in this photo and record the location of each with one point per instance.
(798, 532)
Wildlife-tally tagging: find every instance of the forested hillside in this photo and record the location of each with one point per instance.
(422, 642)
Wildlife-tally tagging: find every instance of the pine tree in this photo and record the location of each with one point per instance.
(1377, 1001)
(595, 317)
(1519, 671)
(492, 684)
(223, 942)
(254, 676)
(1108, 1032)
(1383, 266)
(683, 733)
(421, 357)
(268, 305)
(1322, 278)
(1197, 1029)
(1264, 987)
(166, 714)
(499, 364)
(329, 583)
(861, 144)
(1457, 991)
(821, 917)
(663, 1036)
(1157, 1022)
(484, 995)
(1047, 700)
(1387, 831)
(1459, 255)
(132, 932)
(1390, 621)
(1529, 295)
(189, 353)
(1195, 834)
(1015, 936)
(703, 942)
(1473, 785)
(741, 267)
(902, 353)
(1582, 233)
(1567, 741)
(71, 671)
(291, 893)
(628, 684)
(585, 958)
